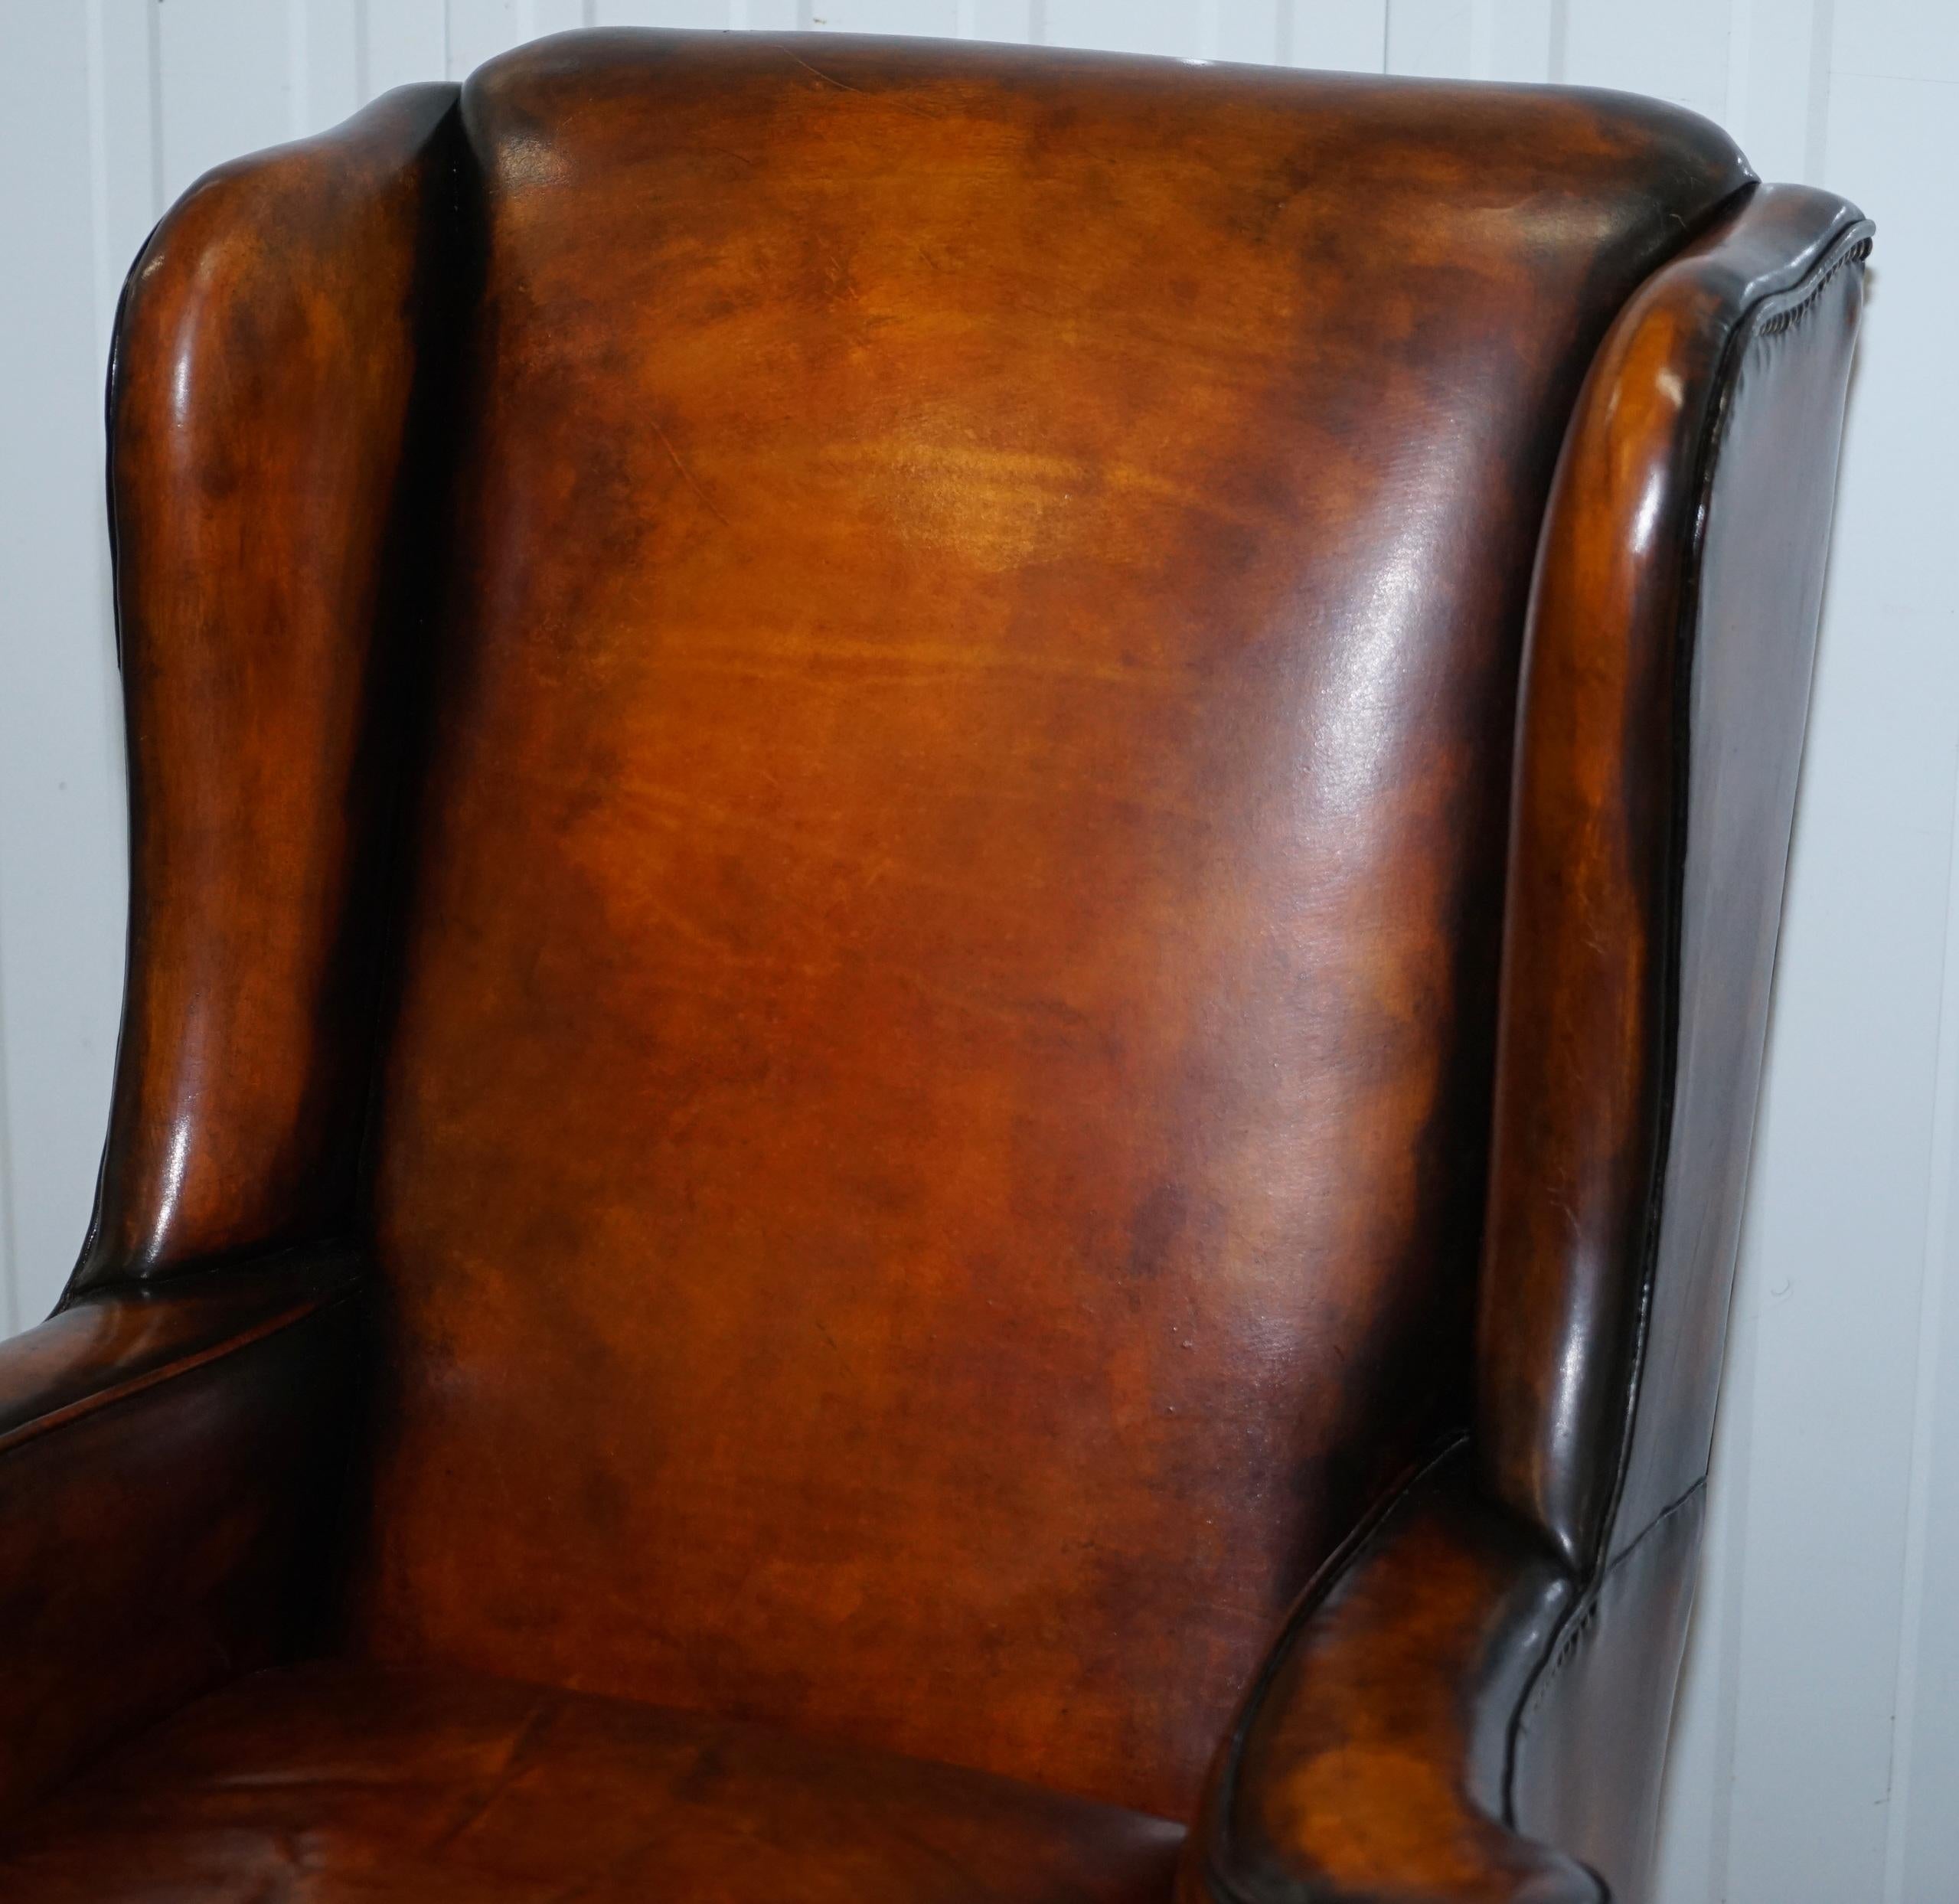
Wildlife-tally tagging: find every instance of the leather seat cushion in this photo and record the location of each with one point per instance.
(335, 1782)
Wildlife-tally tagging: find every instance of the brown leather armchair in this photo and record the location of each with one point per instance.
(955, 874)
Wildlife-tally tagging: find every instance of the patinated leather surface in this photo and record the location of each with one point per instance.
(170, 1486)
(273, 415)
(824, 733)
(965, 827)
(1474, 1704)
(1666, 683)
(343, 1785)
(1371, 1761)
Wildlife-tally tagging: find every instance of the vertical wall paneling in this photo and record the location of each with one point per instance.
(938, 18)
(1673, 49)
(323, 48)
(1344, 36)
(1778, 74)
(1514, 39)
(1127, 26)
(226, 74)
(1921, 1835)
(400, 41)
(61, 836)
(1817, 1751)
(1888, 133)
(1471, 39)
(1253, 31)
(662, 13)
(125, 163)
(1018, 20)
(1431, 37)
(1850, 1450)
(479, 30)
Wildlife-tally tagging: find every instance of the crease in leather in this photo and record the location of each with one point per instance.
(1584, 1615)
(295, 1309)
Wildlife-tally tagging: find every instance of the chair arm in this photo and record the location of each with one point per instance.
(170, 1462)
(1370, 1762)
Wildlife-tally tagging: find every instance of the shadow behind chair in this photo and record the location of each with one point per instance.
(955, 874)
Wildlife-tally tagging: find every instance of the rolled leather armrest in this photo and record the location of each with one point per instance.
(171, 1456)
(1371, 1760)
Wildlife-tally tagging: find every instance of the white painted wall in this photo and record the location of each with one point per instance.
(1818, 1757)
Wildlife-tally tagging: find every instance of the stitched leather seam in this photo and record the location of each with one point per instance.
(1586, 1615)
(1783, 310)
(1746, 326)
(98, 1399)
(1778, 322)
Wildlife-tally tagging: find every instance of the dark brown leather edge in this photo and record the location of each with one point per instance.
(102, 1346)
(171, 1466)
(1634, 986)
(1589, 1750)
(276, 377)
(1371, 1761)
(1473, 1701)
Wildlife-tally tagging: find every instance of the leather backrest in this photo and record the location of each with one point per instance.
(930, 1162)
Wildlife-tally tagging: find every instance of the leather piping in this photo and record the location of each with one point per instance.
(1789, 306)
(1584, 1611)
(1769, 315)
(305, 1307)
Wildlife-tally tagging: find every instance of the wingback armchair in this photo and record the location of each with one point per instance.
(954, 876)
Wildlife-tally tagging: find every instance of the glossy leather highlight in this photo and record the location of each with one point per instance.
(823, 737)
(1666, 679)
(1666, 684)
(272, 412)
(965, 819)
